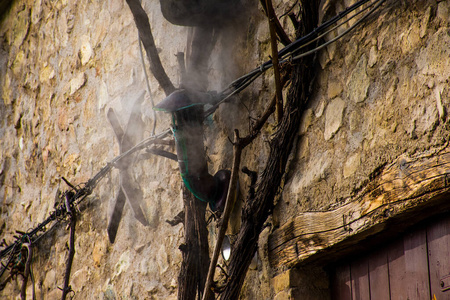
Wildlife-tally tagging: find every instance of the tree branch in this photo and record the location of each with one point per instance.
(284, 39)
(195, 250)
(256, 128)
(146, 36)
(237, 149)
(257, 210)
(73, 221)
(177, 219)
(162, 153)
(276, 67)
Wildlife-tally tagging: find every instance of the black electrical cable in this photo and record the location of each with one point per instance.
(380, 2)
(76, 198)
(334, 27)
(287, 53)
(323, 26)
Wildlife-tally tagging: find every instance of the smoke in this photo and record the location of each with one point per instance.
(213, 58)
(215, 44)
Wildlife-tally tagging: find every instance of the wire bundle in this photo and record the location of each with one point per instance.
(293, 51)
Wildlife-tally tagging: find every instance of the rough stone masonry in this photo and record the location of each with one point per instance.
(380, 92)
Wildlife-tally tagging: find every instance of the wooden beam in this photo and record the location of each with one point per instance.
(404, 192)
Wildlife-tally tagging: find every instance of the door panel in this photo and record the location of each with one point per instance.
(360, 279)
(341, 288)
(438, 237)
(379, 275)
(414, 267)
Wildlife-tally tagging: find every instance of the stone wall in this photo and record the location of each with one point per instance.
(63, 65)
(380, 92)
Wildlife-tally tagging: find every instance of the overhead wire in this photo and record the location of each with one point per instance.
(380, 2)
(334, 27)
(76, 197)
(287, 53)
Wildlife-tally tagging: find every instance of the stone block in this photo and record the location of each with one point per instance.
(286, 280)
(333, 117)
(54, 294)
(358, 85)
(442, 11)
(424, 23)
(86, 51)
(46, 74)
(123, 264)
(411, 39)
(50, 279)
(334, 89)
(79, 278)
(306, 120)
(430, 62)
(21, 27)
(99, 251)
(373, 56)
(77, 82)
(440, 107)
(283, 295)
(351, 165)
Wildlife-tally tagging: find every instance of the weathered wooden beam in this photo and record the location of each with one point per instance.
(405, 192)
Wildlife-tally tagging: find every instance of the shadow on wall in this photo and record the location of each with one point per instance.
(4, 7)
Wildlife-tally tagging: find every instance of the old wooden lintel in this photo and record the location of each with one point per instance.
(406, 192)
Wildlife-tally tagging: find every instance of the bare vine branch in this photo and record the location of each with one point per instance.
(73, 221)
(146, 36)
(257, 209)
(258, 125)
(276, 67)
(195, 250)
(237, 150)
(26, 273)
(284, 39)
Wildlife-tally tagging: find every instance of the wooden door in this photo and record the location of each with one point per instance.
(414, 267)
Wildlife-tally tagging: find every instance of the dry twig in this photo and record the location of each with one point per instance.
(276, 67)
(73, 220)
(237, 150)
